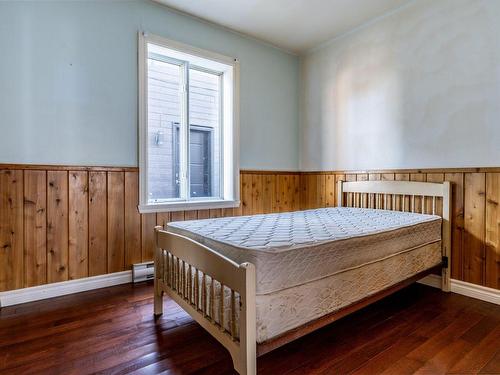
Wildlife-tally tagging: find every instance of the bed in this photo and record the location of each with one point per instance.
(258, 282)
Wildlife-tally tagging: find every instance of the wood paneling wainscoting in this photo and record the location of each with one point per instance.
(61, 223)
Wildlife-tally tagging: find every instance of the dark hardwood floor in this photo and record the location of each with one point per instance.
(112, 331)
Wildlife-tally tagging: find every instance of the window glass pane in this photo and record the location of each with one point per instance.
(204, 133)
(164, 115)
(200, 148)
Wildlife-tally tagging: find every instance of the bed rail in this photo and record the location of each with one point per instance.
(199, 280)
(419, 197)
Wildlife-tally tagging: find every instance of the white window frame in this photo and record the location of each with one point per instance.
(230, 170)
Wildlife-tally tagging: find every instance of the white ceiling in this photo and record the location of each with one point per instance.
(294, 25)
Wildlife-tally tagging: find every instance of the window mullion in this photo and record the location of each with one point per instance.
(221, 136)
(184, 142)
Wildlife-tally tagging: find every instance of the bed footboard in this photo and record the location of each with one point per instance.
(207, 285)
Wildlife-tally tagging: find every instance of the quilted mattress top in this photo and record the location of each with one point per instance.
(291, 248)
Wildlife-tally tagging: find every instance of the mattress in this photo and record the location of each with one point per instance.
(294, 248)
(282, 311)
(287, 309)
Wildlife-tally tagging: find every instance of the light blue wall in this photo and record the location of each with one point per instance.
(68, 83)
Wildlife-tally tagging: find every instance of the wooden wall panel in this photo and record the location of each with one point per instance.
(256, 191)
(11, 230)
(132, 220)
(116, 221)
(283, 187)
(98, 229)
(330, 190)
(313, 191)
(214, 213)
(246, 194)
(148, 223)
(193, 215)
(203, 214)
(308, 191)
(179, 215)
(35, 228)
(164, 217)
(268, 193)
(79, 221)
(78, 225)
(457, 223)
(321, 190)
(294, 192)
(57, 226)
(492, 259)
(474, 223)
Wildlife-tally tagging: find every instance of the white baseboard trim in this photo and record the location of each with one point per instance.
(467, 289)
(476, 291)
(36, 293)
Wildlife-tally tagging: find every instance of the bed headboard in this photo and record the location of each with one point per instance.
(419, 197)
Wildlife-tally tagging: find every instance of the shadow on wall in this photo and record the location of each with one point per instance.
(416, 90)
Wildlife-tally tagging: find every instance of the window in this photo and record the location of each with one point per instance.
(188, 127)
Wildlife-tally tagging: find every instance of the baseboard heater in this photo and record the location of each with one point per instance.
(143, 272)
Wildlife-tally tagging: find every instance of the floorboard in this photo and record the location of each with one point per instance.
(418, 330)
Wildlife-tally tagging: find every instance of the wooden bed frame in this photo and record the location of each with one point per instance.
(178, 256)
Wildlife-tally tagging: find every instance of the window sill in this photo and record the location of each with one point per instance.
(187, 206)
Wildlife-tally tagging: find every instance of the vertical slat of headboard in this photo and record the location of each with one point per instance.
(340, 194)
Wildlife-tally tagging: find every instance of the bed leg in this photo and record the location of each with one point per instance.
(158, 291)
(246, 368)
(246, 362)
(445, 279)
(158, 299)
